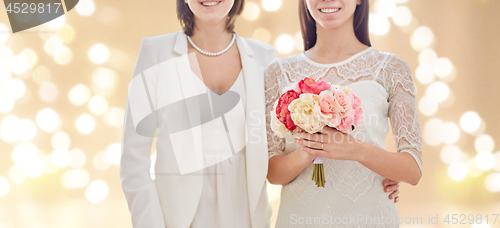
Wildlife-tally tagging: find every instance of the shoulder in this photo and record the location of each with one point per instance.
(259, 46)
(263, 53)
(161, 39)
(391, 60)
(278, 65)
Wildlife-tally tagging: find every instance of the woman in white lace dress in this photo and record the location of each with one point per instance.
(337, 48)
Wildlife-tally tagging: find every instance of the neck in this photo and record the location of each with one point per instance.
(211, 37)
(339, 41)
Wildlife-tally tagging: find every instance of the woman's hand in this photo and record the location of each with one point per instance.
(330, 143)
(390, 185)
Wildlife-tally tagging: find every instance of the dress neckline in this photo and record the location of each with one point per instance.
(307, 59)
(206, 87)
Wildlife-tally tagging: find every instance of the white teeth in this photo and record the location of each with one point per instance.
(329, 10)
(209, 3)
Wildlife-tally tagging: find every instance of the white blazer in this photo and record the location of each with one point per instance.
(171, 199)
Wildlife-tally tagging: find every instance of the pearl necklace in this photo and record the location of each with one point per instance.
(211, 53)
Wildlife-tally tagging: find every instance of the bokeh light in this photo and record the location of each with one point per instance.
(101, 161)
(470, 122)
(402, 16)
(85, 7)
(425, 73)
(60, 139)
(85, 124)
(427, 56)
(457, 170)
(19, 64)
(484, 142)
(14, 89)
(422, 38)
(57, 22)
(451, 153)
(492, 182)
(271, 5)
(4, 183)
(428, 106)
(61, 157)
(251, 11)
(16, 174)
(27, 129)
(451, 133)
(98, 54)
(4, 33)
(52, 44)
(98, 105)
(79, 94)
(9, 131)
(432, 132)
(263, 35)
(443, 67)
(78, 158)
(113, 153)
(48, 120)
(386, 8)
(62, 55)
(97, 191)
(75, 178)
(285, 44)
(485, 160)
(379, 25)
(48, 92)
(114, 116)
(438, 91)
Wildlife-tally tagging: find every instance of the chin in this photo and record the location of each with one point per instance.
(330, 24)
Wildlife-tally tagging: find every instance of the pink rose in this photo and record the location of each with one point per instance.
(356, 102)
(358, 117)
(344, 126)
(343, 101)
(282, 112)
(295, 87)
(309, 85)
(327, 110)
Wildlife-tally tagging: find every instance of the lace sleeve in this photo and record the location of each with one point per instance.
(403, 112)
(275, 144)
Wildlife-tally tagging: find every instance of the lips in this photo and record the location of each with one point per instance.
(210, 3)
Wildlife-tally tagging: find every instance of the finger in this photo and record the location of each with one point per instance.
(391, 188)
(310, 144)
(315, 152)
(394, 194)
(388, 182)
(308, 136)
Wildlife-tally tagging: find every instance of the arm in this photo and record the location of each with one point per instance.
(283, 168)
(140, 190)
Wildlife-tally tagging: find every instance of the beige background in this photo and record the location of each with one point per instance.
(465, 31)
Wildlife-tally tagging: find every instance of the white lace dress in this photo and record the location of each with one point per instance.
(353, 195)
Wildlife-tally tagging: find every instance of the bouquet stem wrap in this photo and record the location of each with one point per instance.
(319, 172)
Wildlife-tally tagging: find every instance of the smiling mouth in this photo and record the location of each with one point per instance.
(329, 10)
(210, 3)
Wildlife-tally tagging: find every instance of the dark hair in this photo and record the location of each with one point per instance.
(186, 16)
(308, 24)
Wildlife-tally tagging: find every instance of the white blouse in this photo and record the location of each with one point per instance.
(224, 198)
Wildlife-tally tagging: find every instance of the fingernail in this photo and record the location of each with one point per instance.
(296, 140)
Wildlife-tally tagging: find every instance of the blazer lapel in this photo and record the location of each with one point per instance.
(256, 147)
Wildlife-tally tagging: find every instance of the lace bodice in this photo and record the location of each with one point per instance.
(385, 86)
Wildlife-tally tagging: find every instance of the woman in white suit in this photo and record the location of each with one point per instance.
(212, 173)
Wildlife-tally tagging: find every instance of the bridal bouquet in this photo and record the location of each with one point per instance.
(311, 105)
